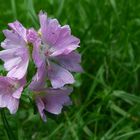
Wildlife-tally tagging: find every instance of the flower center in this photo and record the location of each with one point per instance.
(45, 49)
(39, 93)
(46, 52)
(11, 88)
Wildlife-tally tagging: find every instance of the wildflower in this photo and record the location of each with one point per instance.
(15, 55)
(10, 92)
(39, 78)
(52, 49)
(48, 99)
(51, 100)
(56, 51)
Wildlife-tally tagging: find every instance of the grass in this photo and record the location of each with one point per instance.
(106, 97)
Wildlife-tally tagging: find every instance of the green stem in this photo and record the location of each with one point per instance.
(7, 126)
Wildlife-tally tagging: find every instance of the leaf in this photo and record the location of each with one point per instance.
(126, 96)
(119, 110)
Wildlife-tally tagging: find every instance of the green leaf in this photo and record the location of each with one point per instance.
(126, 96)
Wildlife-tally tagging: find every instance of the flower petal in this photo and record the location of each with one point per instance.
(16, 61)
(8, 54)
(55, 99)
(70, 61)
(12, 40)
(12, 104)
(43, 24)
(32, 35)
(8, 87)
(66, 42)
(19, 29)
(39, 80)
(37, 57)
(59, 76)
(2, 102)
(19, 71)
(41, 108)
(11, 63)
(18, 92)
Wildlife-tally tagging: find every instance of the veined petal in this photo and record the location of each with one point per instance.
(38, 59)
(32, 35)
(43, 24)
(41, 108)
(70, 61)
(12, 104)
(52, 100)
(19, 29)
(64, 51)
(53, 30)
(18, 92)
(16, 55)
(66, 42)
(15, 61)
(55, 99)
(7, 88)
(12, 40)
(11, 63)
(2, 102)
(8, 54)
(59, 76)
(39, 80)
(19, 71)
(50, 29)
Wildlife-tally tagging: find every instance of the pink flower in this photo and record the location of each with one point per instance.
(52, 49)
(51, 100)
(16, 54)
(55, 50)
(10, 92)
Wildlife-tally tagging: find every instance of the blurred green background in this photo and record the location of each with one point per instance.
(106, 97)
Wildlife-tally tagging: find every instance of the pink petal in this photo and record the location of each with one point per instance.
(19, 29)
(59, 76)
(8, 89)
(18, 92)
(65, 42)
(38, 59)
(39, 80)
(41, 108)
(56, 99)
(43, 24)
(5, 55)
(12, 104)
(2, 102)
(70, 61)
(19, 71)
(11, 63)
(12, 40)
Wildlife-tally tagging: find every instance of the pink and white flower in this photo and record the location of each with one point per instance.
(16, 53)
(10, 92)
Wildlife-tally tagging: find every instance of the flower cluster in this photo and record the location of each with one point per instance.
(52, 50)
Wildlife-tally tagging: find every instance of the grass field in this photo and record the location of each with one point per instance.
(106, 97)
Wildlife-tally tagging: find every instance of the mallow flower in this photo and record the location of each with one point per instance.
(15, 54)
(55, 51)
(10, 92)
(52, 49)
(49, 99)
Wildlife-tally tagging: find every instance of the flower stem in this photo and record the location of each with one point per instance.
(7, 126)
